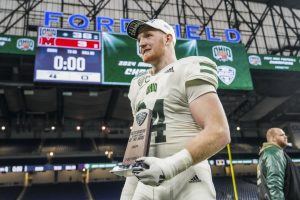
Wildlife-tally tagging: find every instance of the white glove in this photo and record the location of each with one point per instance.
(163, 169)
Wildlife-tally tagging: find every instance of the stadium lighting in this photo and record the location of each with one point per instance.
(52, 128)
(51, 154)
(103, 128)
(3, 128)
(238, 128)
(109, 153)
(78, 128)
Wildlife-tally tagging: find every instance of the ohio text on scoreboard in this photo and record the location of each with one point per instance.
(69, 56)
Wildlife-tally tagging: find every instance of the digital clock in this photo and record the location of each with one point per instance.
(72, 63)
(76, 60)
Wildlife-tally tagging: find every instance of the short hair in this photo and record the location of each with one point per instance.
(272, 132)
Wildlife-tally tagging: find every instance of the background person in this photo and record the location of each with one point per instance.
(278, 177)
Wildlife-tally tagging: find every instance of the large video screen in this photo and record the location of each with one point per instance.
(274, 62)
(231, 58)
(68, 56)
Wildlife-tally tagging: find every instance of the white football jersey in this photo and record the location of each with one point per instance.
(166, 94)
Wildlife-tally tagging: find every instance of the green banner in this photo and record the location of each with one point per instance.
(271, 62)
(231, 59)
(121, 61)
(17, 44)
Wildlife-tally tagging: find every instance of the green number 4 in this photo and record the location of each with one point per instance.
(159, 116)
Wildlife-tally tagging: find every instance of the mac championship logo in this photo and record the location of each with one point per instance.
(141, 80)
(140, 118)
(226, 74)
(222, 53)
(25, 44)
(48, 32)
(254, 60)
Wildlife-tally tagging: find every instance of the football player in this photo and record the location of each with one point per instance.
(188, 121)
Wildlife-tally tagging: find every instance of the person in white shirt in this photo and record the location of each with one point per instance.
(189, 124)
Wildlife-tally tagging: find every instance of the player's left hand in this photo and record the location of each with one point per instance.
(163, 169)
(152, 175)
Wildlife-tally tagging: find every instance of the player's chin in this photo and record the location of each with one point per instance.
(149, 58)
(146, 59)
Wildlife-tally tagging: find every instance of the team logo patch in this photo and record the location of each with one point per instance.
(141, 80)
(140, 118)
(226, 74)
(25, 44)
(222, 53)
(254, 60)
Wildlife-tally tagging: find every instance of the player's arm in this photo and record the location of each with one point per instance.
(208, 112)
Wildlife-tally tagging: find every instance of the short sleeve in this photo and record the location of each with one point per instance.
(197, 88)
(202, 69)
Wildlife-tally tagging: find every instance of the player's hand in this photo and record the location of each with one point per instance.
(152, 174)
(163, 169)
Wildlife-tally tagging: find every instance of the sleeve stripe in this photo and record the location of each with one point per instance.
(208, 69)
(208, 65)
(209, 78)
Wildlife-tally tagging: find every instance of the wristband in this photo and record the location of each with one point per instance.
(177, 163)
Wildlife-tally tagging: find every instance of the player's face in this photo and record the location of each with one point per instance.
(151, 43)
(281, 138)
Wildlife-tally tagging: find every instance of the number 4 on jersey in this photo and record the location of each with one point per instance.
(158, 116)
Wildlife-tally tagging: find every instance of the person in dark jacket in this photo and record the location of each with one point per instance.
(278, 177)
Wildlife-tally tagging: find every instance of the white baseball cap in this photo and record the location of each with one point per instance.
(159, 24)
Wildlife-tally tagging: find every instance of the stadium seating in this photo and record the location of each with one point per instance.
(13, 147)
(10, 193)
(67, 145)
(106, 190)
(59, 191)
(246, 188)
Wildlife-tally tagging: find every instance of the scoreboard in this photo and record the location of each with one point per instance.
(68, 56)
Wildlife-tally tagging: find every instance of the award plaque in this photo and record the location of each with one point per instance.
(138, 143)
